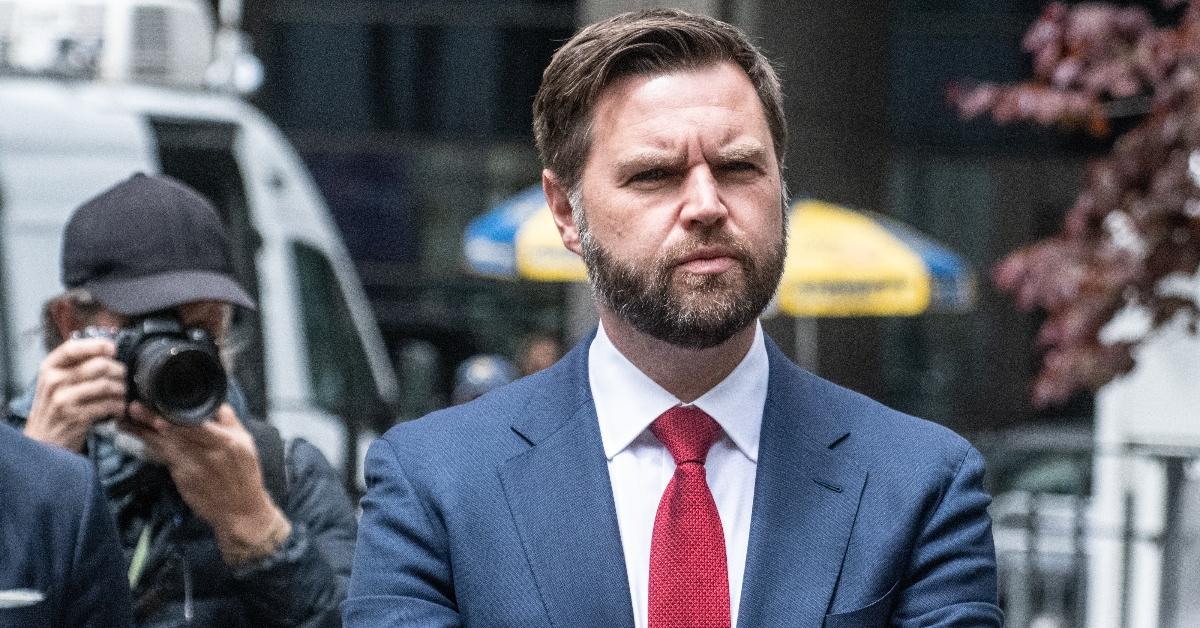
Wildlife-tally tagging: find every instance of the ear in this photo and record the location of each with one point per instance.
(65, 317)
(558, 198)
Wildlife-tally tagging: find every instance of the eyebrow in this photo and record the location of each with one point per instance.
(742, 151)
(648, 160)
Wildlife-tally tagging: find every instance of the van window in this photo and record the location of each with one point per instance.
(339, 374)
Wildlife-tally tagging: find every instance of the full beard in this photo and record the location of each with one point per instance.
(684, 309)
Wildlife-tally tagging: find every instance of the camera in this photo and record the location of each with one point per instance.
(176, 371)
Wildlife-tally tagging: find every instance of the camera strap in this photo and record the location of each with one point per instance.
(270, 459)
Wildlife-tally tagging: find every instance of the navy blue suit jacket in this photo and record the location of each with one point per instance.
(57, 540)
(500, 513)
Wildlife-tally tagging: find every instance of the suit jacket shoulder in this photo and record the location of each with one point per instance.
(57, 539)
(901, 508)
(489, 430)
(496, 512)
(875, 436)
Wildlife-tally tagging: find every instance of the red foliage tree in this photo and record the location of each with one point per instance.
(1136, 221)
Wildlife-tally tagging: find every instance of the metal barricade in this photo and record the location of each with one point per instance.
(1049, 547)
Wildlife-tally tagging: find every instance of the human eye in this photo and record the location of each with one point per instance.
(740, 166)
(649, 175)
(651, 178)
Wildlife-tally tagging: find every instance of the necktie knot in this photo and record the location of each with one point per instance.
(687, 432)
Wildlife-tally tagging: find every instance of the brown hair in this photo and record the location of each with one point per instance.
(654, 41)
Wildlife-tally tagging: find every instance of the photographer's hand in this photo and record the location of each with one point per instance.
(215, 467)
(78, 384)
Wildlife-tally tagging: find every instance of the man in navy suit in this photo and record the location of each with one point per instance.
(60, 562)
(674, 470)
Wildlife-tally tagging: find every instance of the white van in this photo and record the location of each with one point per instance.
(312, 359)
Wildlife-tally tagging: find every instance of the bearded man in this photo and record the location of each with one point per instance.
(675, 470)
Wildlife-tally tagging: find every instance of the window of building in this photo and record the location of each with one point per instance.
(429, 68)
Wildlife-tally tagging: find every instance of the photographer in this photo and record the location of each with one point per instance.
(223, 524)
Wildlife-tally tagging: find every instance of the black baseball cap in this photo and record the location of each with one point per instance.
(149, 243)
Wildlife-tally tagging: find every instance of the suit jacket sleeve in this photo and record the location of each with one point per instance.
(952, 575)
(98, 585)
(401, 574)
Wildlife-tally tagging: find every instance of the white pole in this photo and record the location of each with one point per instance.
(229, 13)
(234, 67)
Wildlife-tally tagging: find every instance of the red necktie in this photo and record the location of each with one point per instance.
(689, 579)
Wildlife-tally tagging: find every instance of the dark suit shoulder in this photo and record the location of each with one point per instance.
(874, 435)
(883, 426)
(920, 525)
(28, 468)
(479, 428)
(57, 538)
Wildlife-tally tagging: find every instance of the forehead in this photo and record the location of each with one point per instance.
(715, 104)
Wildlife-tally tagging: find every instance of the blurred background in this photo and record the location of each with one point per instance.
(412, 118)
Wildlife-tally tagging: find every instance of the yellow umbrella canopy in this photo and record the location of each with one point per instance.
(540, 253)
(843, 262)
(518, 239)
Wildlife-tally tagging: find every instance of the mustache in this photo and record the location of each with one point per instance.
(716, 239)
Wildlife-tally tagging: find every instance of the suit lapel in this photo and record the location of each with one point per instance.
(561, 501)
(806, 496)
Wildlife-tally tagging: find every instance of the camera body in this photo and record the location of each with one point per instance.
(175, 371)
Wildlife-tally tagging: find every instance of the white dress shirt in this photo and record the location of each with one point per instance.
(639, 466)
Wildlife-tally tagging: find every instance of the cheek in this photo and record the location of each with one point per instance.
(645, 242)
(632, 226)
(762, 211)
(616, 228)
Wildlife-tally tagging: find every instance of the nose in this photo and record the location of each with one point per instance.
(702, 205)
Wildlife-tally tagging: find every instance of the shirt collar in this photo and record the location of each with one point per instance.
(627, 401)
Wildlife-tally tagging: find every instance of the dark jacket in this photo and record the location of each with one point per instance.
(183, 580)
(60, 563)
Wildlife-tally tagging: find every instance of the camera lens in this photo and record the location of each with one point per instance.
(181, 379)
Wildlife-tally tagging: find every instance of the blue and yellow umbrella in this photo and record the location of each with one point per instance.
(840, 262)
(518, 239)
(844, 262)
